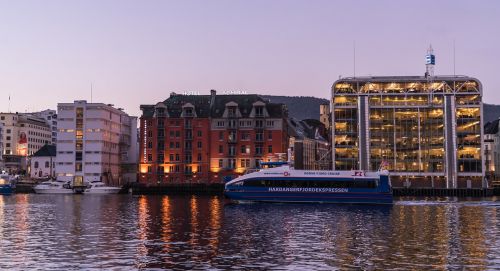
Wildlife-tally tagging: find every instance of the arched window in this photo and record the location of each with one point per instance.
(47, 164)
(36, 164)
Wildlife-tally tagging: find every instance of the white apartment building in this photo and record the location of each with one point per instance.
(1, 146)
(95, 142)
(50, 117)
(24, 134)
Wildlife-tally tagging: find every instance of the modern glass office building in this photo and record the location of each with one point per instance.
(427, 130)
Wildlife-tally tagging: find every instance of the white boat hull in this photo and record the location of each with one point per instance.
(111, 190)
(53, 191)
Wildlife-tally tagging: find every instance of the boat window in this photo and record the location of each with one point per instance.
(365, 183)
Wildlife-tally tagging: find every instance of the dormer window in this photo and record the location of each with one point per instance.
(160, 112)
(188, 110)
(231, 112)
(259, 111)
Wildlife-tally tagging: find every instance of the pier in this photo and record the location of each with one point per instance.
(446, 192)
(217, 188)
(193, 188)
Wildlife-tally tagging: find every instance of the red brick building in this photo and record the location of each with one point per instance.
(205, 138)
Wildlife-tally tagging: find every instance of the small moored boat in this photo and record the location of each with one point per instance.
(53, 187)
(101, 188)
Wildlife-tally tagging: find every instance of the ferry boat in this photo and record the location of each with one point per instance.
(285, 184)
(6, 186)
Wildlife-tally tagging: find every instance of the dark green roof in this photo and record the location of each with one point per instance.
(301, 129)
(47, 150)
(204, 109)
(201, 104)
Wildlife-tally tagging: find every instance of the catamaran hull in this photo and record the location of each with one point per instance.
(6, 190)
(352, 197)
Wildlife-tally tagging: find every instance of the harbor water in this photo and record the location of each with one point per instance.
(125, 232)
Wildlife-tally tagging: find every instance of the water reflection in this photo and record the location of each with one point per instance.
(201, 232)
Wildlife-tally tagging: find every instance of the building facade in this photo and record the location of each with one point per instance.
(95, 142)
(50, 117)
(208, 138)
(325, 115)
(245, 130)
(23, 135)
(492, 152)
(308, 149)
(427, 129)
(42, 163)
(1, 147)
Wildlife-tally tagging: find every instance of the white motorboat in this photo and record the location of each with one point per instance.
(101, 188)
(54, 187)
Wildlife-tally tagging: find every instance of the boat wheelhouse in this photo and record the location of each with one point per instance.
(285, 184)
(6, 187)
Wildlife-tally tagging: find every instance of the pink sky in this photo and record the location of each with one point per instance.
(137, 52)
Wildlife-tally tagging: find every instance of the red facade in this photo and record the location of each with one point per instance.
(193, 139)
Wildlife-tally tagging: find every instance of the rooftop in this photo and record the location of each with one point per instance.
(408, 84)
(213, 106)
(46, 150)
(405, 78)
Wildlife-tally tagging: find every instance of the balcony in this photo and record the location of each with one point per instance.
(233, 138)
(343, 156)
(345, 144)
(467, 157)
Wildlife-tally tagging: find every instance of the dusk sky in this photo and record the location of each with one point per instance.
(137, 52)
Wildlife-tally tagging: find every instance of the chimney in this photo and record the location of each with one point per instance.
(213, 92)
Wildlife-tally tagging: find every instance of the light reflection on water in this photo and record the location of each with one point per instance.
(64, 232)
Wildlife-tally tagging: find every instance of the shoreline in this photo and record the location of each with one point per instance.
(218, 189)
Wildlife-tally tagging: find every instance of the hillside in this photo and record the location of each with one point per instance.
(306, 107)
(491, 112)
(300, 107)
